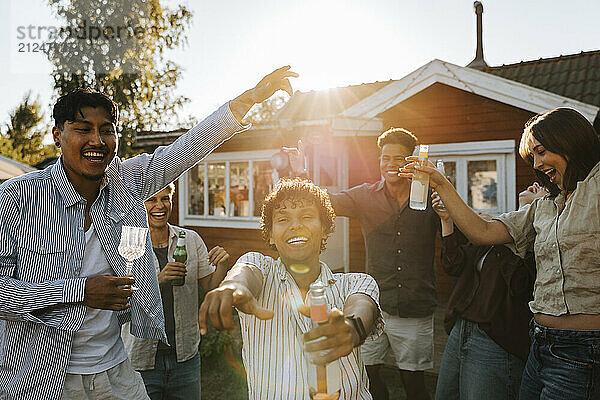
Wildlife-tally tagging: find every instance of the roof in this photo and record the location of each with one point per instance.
(321, 104)
(10, 168)
(576, 76)
(471, 80)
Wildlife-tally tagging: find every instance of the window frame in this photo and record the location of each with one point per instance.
(250, 222)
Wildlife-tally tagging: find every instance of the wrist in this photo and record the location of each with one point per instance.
(357, 330)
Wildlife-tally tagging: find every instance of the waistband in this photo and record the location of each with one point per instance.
(543, 332)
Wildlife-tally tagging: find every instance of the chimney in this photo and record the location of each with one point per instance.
(478, 62)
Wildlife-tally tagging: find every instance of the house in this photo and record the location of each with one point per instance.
(471, 116)
(10, 168)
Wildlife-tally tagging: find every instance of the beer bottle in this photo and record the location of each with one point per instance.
(324, 380)
(180, 255)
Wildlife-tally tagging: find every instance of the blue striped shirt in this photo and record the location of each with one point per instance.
(42, 241)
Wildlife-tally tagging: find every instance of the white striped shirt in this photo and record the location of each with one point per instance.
(42, 242)
(276, 366)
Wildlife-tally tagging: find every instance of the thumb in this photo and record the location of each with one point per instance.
(247, 304)
(304, 310)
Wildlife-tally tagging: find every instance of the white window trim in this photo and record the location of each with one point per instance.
(502, 151)
(186, 219)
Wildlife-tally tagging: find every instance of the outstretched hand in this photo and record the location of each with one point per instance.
(218, 303)
(331, 340)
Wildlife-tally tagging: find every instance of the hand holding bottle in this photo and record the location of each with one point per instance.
(436, 178)
(330, 340)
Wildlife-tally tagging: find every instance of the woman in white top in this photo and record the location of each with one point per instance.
(563, 230)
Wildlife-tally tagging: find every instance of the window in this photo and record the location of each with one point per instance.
(226, 189)
(483, 173)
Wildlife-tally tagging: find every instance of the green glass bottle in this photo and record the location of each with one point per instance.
(180, 255)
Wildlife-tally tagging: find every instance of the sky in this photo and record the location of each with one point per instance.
(330, 43)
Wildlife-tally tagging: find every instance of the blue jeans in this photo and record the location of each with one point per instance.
(474, 367)
(170, 380)
(562, 365)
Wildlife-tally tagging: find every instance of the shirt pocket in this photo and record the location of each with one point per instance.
(41, 260)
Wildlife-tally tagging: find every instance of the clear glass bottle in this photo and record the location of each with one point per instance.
(439, 165)
(180, 255)
(419, 187)
(325, 381)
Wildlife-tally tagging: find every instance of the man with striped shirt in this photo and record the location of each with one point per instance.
(64, 291)
(279, 344)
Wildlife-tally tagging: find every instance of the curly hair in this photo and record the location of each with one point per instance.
(296, 190)
(68, 106)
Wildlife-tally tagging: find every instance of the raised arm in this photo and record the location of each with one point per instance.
(148, 173)
(240, 289)
(477, 230)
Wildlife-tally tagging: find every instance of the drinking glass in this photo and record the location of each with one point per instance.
(132, 246)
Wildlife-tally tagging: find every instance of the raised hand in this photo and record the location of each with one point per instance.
(435, 176)
(217, 255)
(296, 157)
(532, 192)
(218, 303)
(264, 89)
(273, 82)
(171, 271)
(438, 206)
(108, 292)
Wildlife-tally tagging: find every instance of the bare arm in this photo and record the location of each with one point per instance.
(241, 287)
(478, 230)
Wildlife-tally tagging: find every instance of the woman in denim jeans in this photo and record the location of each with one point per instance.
(563, 230)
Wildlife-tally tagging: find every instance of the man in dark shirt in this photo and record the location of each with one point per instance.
(400, 245)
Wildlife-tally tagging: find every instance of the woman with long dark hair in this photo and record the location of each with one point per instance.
(563, 230)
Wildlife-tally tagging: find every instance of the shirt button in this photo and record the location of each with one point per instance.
(398, 233)
(80, 228)
(399, 251)
(399, 285)
(76, 273)
(42, 249)
(554, 245)
(558, 271)
(399, 268)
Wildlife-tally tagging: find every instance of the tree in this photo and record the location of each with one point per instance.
(120, 50)
(266, 110)
(24, 134)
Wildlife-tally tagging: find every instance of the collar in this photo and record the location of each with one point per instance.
(380, 185)
(64, 185)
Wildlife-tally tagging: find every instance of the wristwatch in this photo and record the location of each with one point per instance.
(359, 327)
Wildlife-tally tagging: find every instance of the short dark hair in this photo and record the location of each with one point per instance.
(566, 132)
(398, 136)
(67, 106)
(297, 189)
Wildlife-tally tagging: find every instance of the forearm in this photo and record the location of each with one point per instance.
(477, 230)
(217, 277)
(246, 276)
(241, 105)
(25, 301)
(148, 173)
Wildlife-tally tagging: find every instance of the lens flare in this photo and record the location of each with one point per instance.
(299, 268)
